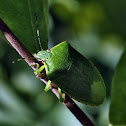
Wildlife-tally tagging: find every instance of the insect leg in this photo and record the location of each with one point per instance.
(62, 97)
(38, 70)
(48, 87)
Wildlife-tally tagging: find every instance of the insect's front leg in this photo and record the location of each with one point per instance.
(38, 70)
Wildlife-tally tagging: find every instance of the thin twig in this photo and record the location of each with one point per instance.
(68, 102)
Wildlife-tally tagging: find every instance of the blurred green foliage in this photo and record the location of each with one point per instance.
(117, 107)
(96, 28)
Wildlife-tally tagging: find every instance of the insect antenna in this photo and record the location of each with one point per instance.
(38, 33)
(18, 60)
(38, 40)
(22, 59)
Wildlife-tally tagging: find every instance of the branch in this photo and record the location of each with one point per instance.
(68, 102)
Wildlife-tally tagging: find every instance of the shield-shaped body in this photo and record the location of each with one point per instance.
(75, 75)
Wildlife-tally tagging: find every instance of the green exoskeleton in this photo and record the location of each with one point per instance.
(73, 74)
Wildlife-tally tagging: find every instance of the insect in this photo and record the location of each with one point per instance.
(73, 74)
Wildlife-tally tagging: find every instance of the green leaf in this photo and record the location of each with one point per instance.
(118, 95)
(20, 16)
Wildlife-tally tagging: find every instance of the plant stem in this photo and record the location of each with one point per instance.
(68, 102)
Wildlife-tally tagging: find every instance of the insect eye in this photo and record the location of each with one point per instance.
(43, 61)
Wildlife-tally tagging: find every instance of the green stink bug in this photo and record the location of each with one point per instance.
(74, 74)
